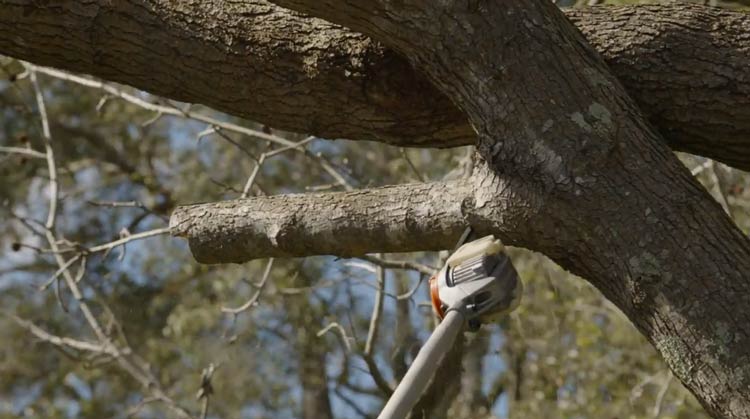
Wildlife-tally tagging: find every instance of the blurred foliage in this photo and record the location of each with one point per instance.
(565, 353)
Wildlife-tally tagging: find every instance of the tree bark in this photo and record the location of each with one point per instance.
(390, 219)
(604, 196)
(265, 63)
(689, 43)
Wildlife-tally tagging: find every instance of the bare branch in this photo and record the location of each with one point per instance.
(341, 332)
(399, 264)
(170, 110)
(351, 403)
(659, 405)
(206, 388)
(23, 151)
(377, 376)
(59, 271)
(372, 334)
(254, 299)
(49, 153)
(377, 311)
(138, 407)
(128, 239)
(118, 204)
(390, 219)
(106, 345)
(63, 341)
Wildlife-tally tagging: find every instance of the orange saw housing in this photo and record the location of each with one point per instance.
(437, 305)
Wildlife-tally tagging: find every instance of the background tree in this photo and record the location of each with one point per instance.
(298, 337)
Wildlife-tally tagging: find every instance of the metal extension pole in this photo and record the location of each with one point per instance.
(421, 370)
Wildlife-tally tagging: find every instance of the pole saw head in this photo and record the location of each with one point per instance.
(478, 279)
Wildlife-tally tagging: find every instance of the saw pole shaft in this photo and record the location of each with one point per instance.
(422, 369)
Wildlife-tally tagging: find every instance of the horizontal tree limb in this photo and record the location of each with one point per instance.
(412, 217)
(685, 64)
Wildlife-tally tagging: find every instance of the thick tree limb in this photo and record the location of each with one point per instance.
(700, 101)
(392, 219)
(685, 64)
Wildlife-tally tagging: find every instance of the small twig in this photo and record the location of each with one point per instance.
(138, 407)
(637, 390)
(267, 155)
(295, 146)
(328, 167)
(57, 273)
(342, 334)
(377, 311)
(118, 204)
(25, 151)
(375, 287)
(349, 402)
(217, 130)
(659, 405)
(411, 164)
(62, 341)
(372, 333)
(58, 295)
(256, 296)
(132, 237)
(54, 187)
(226, 187)
(377, 376)
(360, 389)
(151, 120)
(398, 264)
(300, 290)
(253, 175)
(49, 153)
(206, 389)
(407, 295)
(28, 223)
(81, 269)
(164, 110)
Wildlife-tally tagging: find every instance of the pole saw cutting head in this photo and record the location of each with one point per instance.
(478, 279)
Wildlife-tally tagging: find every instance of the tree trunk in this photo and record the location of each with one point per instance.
(601, 194)
(315, 401)
(311, 350)
(471, 403)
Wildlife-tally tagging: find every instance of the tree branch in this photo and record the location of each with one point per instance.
(390, 219)
(685, 64)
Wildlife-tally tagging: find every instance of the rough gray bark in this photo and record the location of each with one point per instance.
(689, 43)
(602, 194)
(391, 219)
(259, 61)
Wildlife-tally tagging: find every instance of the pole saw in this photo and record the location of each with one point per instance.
(478, 284)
